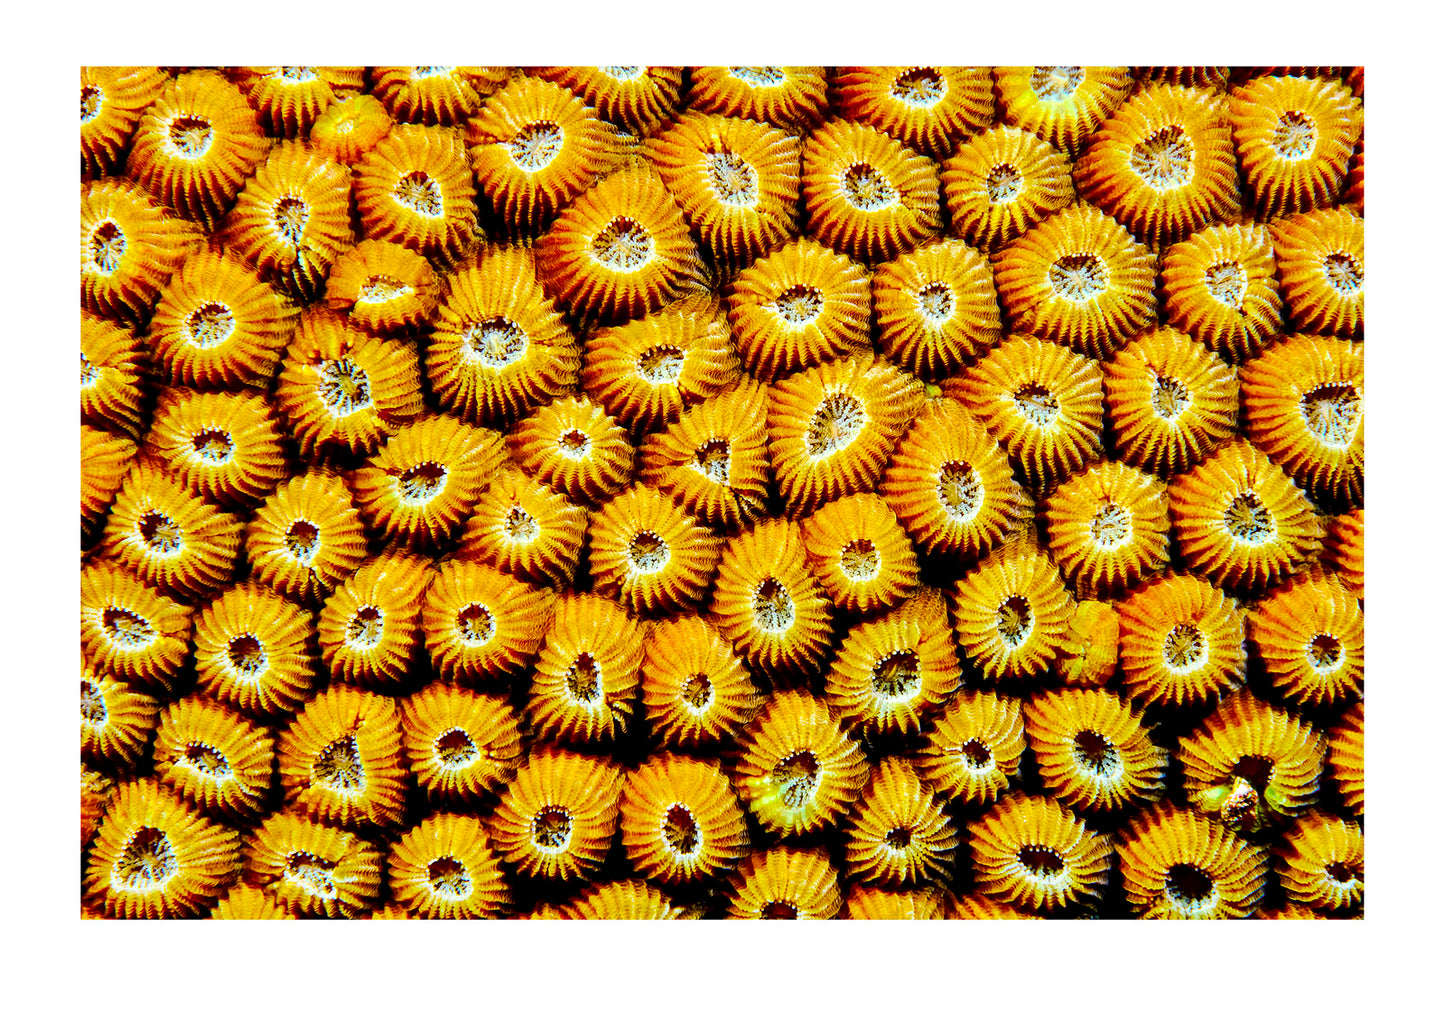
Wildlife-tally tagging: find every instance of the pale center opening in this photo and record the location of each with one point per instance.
(697, 691)
(1332, 413)
(449, 878)
(91, 100)
(1185, 647)
(623, 74)
(732, 178)
(161, 535)
(1324, 652)
(208, 761)
(92, 704)
(519, 526)
(1094, 753)
(773, 609)
(799, 305)
(1003, 184)
(419, 193)
(976, 755)
(247, 655)
(1055, 84)
(190, 137)
(311, 873)
(920, 86)
(289, 217)
(959, 490)
(1037, 404)
(496, 342)
(338, 766)
(898, 675)
(552, 828)
(213, 446)
(712, 459)
(343, 387)
(899, 838)
(648, 552)
(146, 862)
(935, 303)
(1041, 861)
(125, 628)
(380, 289)
(835, 424)
(1169, 398)
(366, 628)
(760, 77)
(796, 777)
(867, 189)
(1294, 136)
(859, 560)
(1227, 283)
(661, 365)
(1189, 886)
(1344, 274)
(303, 541)
(107, 246)
(1249, 520)
(575, 444)
(1165, 160)
(210, 325)
(421, 483)
(89, 372)
(624, 245)
(1079, 278)
(475, 625)
(535, 146)
(1112, 527)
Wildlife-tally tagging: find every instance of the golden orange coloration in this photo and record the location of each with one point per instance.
(798, 771)
(435, 95)
(1323, 863)
(223, 447)
(290, 99)
(350, 128)
(584, 685)
(787, 97)
(977, 907)
(129, 247)
(1011, 611)
(576, 448)
(681, 822)
(1170, 402)
(1108, 528)
(1078, 278)
(423, 483)
(1044, 404)
(116, 720)
(1194, 77)
(936, 308)
(1037, 855)
(1002, 182)
(415, 188)
(1294, 137)
(177, 542)
(1248, 763)
(105, 460)
(370, 628)
(867, 195)
(113, 369)
(293, 218)
(1346, 758)
(786, 882)
(214, 758)
(797, 307)
(341, 758)
(1354, 189)
(1219, 286)
(1094, 751)
(1062, 105)
(972, 751)
(620, 251)
(128, 628)
(479, 623)
(196, 145)
(650, 554)
(256, 650)
(1304, 401)
(557, 819)
(1321, 260)
(526, 529)
(647, 371)
(535, 147)
(1089, 653)
(737, 182)
(314, 869)
(1181, 642)
(245, 902)
(1310, 634)
(461, 745)
(893, 673)
(343, 391)
(623, 900)
(831, 428)
(893, 905)
(898, 833)
(382, 286)
(1240, 521)
(928, 109)
(1163, 165)
(1344, 550)
(112, 100)
(768, 604)
(219, 325)
(714, 460)
(949, 484)
(96, 792)
(638, 98)
(499, 346)
(860, 554)
(445, 867)
(695, 690)
(307, 537)
(154, 857)
(1178, 864)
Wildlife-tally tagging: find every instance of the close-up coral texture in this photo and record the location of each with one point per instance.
(722, 492)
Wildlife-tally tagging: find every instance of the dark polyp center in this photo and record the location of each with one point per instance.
(648, 552)
(343, 387)
(92, 704)
(835, 424)
(91, 99)
(1294, 136)
(303, 539)
(799, 304)
(1165, 160)
(289, 218)
(421, 482)
(1053, 84)
(535, 146)
(475, 624)
(449, 877)
(1014, 621)
(1344, 274)
(107, 246)
(1249, 520)
(146, 861)
(1227, 283)
(1324, 652)
(867, 189)
(623, 245)
(298, 74)
(1037, 404)
(773, 607)
(190, 137)
(680, 830)
(1079, 278)
(519, 526)
(1184, 647)
(311, 873)
(584, 679)
(1341, 873)
(661, 364)
(959, 490)
(206, 759)
(796, 777)
(711, 460)
(574, 443)
(366, 628)
(1003, 183)
(697, 691)
(496, 341)
(126, 629)
(920, 86)
(1255, 770)
(897, 675)
(210, 325)
(455, 748)
(1188, 884)
(161, 535)
(1095, 753)
(247, 655)
(779, 909)
(552, 827)
(1042, 861)
(899, 838)
(976, 754)
(733, 179)
(339, 767)
(859, 560)
(1332, 412)
(214, 446)
(419, 193)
